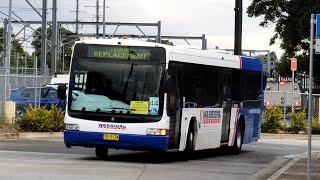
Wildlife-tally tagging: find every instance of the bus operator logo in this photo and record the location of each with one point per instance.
(112, 126)
(211, 117)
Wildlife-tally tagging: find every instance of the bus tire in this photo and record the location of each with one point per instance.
(236, 148)
(101, 152)
(190, 141)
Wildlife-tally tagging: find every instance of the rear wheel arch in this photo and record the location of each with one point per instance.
(242, 121)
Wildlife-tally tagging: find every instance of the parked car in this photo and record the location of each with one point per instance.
(29, 95)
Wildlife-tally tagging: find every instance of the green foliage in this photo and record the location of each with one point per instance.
(16, 50)
(39, 119)
(298, 122)
(315, 126)
(292, 27)
(283, 66)
(272, 120)
(57, 116)
(67, 42)
(4, 124)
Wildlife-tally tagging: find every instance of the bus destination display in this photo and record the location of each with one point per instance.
(119, 53)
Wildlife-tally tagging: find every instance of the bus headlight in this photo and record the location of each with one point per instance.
(157, 132)
(71, 127)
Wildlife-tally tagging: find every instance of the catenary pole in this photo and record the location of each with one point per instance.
(54, 37)
(43, 36)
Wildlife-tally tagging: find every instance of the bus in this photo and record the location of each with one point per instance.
(279, 93)
(134, 95)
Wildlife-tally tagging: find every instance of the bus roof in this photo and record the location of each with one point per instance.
(190, 54)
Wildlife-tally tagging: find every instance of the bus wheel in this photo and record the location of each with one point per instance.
(236, 148)
(101, 152)
(190, 141)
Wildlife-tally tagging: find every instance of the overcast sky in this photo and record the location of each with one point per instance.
(214, 18)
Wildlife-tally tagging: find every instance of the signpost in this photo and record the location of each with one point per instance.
(312, 23)
(294, 67)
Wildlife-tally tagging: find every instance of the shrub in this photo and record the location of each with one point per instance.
(57, 117)
(4, 124)
(315, 127)
(298, 122)
(272, 120)
(39, 119)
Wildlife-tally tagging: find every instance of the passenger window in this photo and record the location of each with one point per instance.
(30, 92)
(51, 94)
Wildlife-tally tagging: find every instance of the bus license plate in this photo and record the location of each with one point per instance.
(111, 137)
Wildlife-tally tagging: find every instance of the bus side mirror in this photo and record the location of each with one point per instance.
(168, 84)
(62, 88)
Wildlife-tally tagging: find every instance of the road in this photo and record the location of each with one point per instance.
(49, 159)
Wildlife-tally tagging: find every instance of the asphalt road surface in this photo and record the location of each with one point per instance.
(49, 159)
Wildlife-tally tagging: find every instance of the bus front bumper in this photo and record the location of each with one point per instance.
(126, 141)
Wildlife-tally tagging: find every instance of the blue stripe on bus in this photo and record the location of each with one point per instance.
(252, 124)
(251, 64)
(127, 141)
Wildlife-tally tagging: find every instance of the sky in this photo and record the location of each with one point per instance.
(214, 18)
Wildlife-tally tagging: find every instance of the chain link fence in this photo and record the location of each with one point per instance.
(14, 79)
(292, 102)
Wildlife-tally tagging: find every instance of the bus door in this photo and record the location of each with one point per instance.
(227, 103)
(175, 102)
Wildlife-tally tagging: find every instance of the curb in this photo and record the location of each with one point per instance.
(31, 135)
(288, 136)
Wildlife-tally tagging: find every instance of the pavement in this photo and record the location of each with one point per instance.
(296, 168)
(293, 169)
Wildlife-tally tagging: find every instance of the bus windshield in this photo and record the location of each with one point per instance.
(117, 80)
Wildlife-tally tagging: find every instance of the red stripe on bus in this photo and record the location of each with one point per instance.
(235, 127)
(240, 62)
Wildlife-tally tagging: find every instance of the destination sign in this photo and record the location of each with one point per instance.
(118, 53)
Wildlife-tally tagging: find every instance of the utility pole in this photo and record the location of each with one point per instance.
(5, 29)
(158, 40)
(104, 19)
(54, 37)
(77, 17)
(97, 18)
(9, 36)
(238, 28)
(43, 37)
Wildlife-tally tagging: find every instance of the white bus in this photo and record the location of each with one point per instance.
(127, 94)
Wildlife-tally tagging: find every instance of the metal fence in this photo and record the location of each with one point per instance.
(292, 102)
(15, 78)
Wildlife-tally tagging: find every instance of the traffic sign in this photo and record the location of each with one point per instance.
(317, 46)
(294, 64)
(318, 26)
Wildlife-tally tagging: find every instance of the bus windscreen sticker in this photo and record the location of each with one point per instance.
(154, 105)
(139, 107)
(118, 53)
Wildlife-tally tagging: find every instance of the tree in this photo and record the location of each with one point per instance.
(67, 43)
(292, 27)
(17, 51)
(264, 59)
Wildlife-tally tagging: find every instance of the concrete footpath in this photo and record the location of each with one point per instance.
(296, 169)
